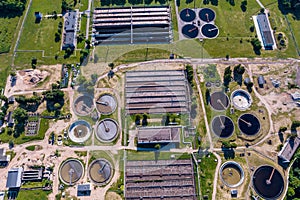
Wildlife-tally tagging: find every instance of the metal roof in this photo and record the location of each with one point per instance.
(265, 29)
(14, 178)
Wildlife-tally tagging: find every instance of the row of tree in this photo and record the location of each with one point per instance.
(12, 8)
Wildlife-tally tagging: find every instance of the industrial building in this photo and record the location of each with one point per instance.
(33, 175)
(132, 25)
(161, 179)
(14, 178)
(69, 37)
(158, 135)
(264, 31)
(289, 149)
(164, 91)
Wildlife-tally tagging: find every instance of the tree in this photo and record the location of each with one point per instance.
(226, 144)
(20, 115)
(227, 76)
(256, 45)
(57, 37)
(111, 65)
(145, 120)
(252, 28)
(11, 144)
(157, 146)
(190, 74)
(57, 106)
(244, 5)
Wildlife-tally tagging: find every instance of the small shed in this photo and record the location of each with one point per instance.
(261, 81)
(247, 81)
(38, 17)
(84, 190)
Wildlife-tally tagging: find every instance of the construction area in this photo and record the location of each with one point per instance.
(162, 179)
(163, 91)
(132, 25)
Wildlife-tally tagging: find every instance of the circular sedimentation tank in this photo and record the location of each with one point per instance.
(80, 131)
(268, 182)
(232, 174)
(219, 101)
(71, 171)
(187, 15)
(106, 104)
(190, 31)
(83, 105)
(241, 99)
(100, 171)
(249, 124)
(222, 126)
(107, 130)
(207, 15)
(209, 31)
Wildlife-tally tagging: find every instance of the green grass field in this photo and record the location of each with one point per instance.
(33, 195)
(40, 36)
(7, 32)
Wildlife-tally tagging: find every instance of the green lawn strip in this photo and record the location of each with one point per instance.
(33, 195)
(144, 155)
(101, 154)
(7, 30)
(30, 148)
(206, 169)
(4, 68)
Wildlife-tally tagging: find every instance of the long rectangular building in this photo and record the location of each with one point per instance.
(162, 179)
(164, 91)
(265, 31)
(132, 25)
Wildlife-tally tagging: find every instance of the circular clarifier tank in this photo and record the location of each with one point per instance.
(83, 105)
(190, 31)
(219, 101)
(249, 124)
(268, 182)
(80, 131)
(71, 171)
(106, 104)
(222, 126)
(187, 15)
(209, 31)
(100, 171)
(241, 99)
(207, 15)
(107, 130)
(232, 174)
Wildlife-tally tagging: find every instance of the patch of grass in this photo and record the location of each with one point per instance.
(30, 148)
(7, 31)
(144, 155)
(33, 194)
(143, 55)
(206, 169)
(11, 153)
(81, 153)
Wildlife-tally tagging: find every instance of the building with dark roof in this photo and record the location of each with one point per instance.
(4, 159)
(14, 178)
(84, 190)
(10, 119)
(261, 81)
(265, 31)
(289, 149)
(33, 175)
(11, 99)
(38, 17)
(160, 179)
(163, 91)
(70, 29)
(158, 135)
